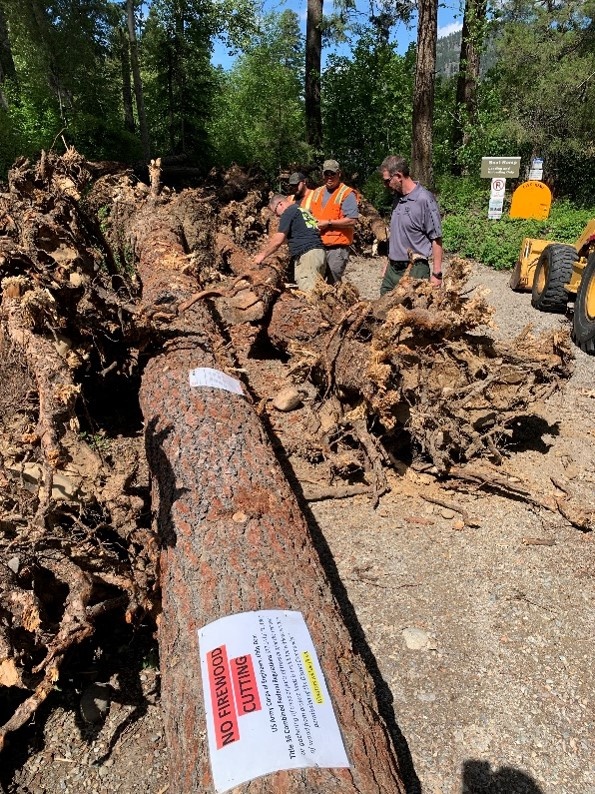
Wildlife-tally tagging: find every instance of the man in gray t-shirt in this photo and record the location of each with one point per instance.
(415, 227)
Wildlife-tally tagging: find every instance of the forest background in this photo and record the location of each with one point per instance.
(128, 81)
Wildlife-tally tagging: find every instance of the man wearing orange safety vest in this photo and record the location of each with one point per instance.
(334, 205)
(298, 184)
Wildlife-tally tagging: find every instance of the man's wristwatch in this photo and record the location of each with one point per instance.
(437, 275)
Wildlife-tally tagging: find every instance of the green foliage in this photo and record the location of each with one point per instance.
(444, 101)
(98, 440)
(124, 260)
(103, 214)
(468, 232)
(102, 139)
(494, 243)
(544, 91)
(178, 77)
(12, 142)
(66, 80)
(457, 195)
(366, 106)
(376, 192)
(260, 117)
(68, 61)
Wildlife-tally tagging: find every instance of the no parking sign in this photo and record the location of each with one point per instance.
(496, 198)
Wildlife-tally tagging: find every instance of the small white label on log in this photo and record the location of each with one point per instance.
(205, 376)
(266, 702)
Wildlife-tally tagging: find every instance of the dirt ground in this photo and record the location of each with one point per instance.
(481, 636)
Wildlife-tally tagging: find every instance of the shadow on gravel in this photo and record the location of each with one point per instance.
(527, 433)
(360, 644)
(479, 778)
(116, 651)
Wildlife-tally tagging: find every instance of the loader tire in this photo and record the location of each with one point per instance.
(583, 331)
(553, 271)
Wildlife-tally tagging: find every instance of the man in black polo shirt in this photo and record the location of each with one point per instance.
(415, 227)
(300, 229)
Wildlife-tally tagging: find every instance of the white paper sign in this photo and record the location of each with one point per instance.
(205, 376)
(266, 702)
(495, 208)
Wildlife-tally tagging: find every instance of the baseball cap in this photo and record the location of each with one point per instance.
(296, 178)
(330, 165)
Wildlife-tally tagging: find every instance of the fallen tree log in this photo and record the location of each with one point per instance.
(234, 539)
(263, 283)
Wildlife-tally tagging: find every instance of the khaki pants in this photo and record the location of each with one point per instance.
(308, 267)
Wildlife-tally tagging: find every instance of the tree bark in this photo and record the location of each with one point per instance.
(423, 93)
(313, 71)
(469, 63)
(7, 67)
(129, 124)
(138, 85)
(234, 539)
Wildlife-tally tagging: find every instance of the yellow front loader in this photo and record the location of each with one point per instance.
(557, 273)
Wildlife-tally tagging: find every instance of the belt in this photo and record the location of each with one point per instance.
(401, 264)
(398, 264)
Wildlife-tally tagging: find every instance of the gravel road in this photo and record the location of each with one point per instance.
(482, 636)
(485, 636)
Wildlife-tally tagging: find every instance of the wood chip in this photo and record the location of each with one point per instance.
(538, 542)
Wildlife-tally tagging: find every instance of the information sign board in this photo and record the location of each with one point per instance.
(536, 169)
(267, 704)
(500, 166)
(498, 187)
(495, 208)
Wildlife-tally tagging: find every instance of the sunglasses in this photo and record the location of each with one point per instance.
(330, 173)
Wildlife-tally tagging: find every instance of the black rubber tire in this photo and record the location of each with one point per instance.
(583, 330)
(553, 271)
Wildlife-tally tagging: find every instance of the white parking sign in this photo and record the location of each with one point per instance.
(498, 187)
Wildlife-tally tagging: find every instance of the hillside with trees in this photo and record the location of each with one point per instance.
(124, 81)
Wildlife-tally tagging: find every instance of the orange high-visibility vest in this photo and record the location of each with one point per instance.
(303, 199)
(330, 212)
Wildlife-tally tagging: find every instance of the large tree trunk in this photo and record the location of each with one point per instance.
(313, 70)
(7, 68)
(129, 124)
(234, 539)
(138, 85)
(469, 63)
(423, 92)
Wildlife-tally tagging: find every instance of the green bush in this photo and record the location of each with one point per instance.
(458, 195)
(468, 232)
(377, 194)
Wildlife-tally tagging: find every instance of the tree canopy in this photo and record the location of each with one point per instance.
(67, 71)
